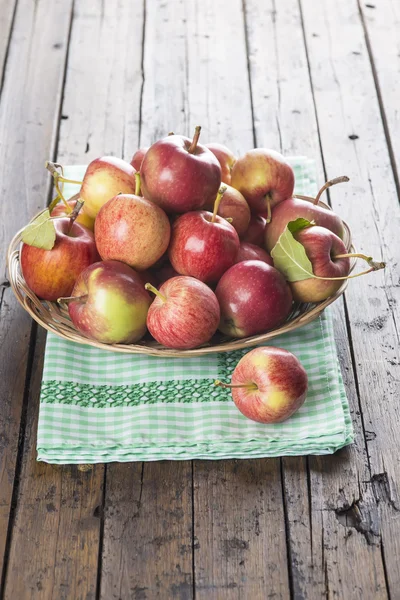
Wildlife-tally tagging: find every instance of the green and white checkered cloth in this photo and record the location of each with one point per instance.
(100, 406)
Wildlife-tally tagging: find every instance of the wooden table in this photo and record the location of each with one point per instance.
(86, 78)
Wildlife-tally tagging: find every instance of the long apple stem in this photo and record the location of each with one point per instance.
(155, 291)
(137, 186)
(74, 214)
(328, 184)
(374, 266)
(249, 386)
(195, 140)
(68, 299)
(217, 202)
(301, 197)
(269, 213)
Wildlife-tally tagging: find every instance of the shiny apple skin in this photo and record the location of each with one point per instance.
(261, 172)
(281, 381)
(321, 245)
(106, 177)
(256, 231)
(254, 298)
(294, 208)
(138, 157)
(115, 310)
(133, 230)
(51, 274)
(233, 206)
(202, 249)
(188, 318)
(252, 252)
(226, 159)
(177, 180)
(82, 218)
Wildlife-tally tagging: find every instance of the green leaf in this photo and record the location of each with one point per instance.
(298, 224)
(289, 255)
(40, 233)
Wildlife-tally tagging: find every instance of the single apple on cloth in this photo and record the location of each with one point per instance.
(98, 406)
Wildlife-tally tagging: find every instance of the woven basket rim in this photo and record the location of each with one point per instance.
(56, 319)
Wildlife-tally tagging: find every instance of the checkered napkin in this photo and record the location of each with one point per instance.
(100, 406)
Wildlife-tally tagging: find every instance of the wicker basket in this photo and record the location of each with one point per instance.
(56, 319)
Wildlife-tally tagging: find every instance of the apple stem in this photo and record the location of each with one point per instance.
(217, 202)
(301, 197)
(269, 214)
(74, 214)
(171, 133)
(328, 184)
(249, 386)
(68, 299)
(155, 291)
(137, 186)
(195, 140)
(374, 266)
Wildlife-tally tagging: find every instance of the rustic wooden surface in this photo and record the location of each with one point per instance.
(79, 79)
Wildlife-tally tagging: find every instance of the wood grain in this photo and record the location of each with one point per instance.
(285, 118)
(147, 550)
(347, 106)
(238, 507)
(28, 128)
(148, 531)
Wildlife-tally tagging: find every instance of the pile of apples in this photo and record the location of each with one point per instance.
(184, 240)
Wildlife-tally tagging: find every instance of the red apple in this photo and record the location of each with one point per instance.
(83, 218)
(321, 246)
(179, 174)
(254, 298)
(255, 231)
(105, 178)
(264, 178)
(52, 273)
(226, 159)
(110, 303)
(233, 206)
(133, 230)
(138, 157)
(268, 385)
(184, 314)
(201, 247)
(252, 252)
(292, 209)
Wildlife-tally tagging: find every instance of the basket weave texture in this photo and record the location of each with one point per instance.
(55, 318)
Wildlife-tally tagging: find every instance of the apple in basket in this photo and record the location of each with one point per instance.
(268, 384)
(264, 178)
(52, 273)
(106, 177)
(180, 174)
(138, 157)
(109, 303)
(133, 230)
(254, 297)
(226, 159)
(203, 245)
(83, 218)
(249, 251)
(234, 207)
(255, 232)
(185, 313)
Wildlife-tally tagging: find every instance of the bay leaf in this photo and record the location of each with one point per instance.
(40, 232)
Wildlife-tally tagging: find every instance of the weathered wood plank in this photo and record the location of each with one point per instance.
(285, 119)
(238, 507)
(54, 548)
(147, 550)
(7, 12)
(28, 111)
(347, 106)
(148, 531)
(381, 22)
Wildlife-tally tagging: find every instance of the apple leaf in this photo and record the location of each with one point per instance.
(298, 224)
(289, 255)
(40, 232)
